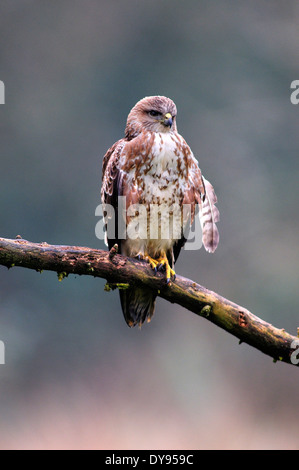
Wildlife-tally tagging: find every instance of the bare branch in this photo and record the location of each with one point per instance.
(119, 270)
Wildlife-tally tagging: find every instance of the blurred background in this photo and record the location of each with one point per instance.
(76, 377)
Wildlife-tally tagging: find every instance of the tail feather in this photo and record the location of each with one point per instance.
(138, 305)
(209, 215)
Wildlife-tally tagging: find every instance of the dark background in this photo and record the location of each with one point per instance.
(75, 375)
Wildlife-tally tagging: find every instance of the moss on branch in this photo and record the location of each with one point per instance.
(119, 271)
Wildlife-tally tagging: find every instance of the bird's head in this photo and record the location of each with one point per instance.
(154, 114)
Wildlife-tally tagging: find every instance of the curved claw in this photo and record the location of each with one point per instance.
(160, 264)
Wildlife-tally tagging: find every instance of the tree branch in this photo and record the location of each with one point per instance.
(119, 271)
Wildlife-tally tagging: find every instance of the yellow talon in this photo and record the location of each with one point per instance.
(154, 263)
(169, 272)
(161, 261)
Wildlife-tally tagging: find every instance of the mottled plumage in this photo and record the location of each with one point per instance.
(153, 166)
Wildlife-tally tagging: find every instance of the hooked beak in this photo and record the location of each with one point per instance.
(167, 121)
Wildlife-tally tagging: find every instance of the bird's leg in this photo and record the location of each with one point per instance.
(144, 256)
(154, 263)
(140, 256)
(161, 262)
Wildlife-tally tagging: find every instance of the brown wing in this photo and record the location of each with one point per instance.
(111, 189)
(201, 194)
(138, 304)
(194, 196)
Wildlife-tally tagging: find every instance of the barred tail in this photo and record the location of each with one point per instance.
(209, 215)
(138, 305)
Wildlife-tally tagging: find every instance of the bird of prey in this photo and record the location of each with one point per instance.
(153, 167)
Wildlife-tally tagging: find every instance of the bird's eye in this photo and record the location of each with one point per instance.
(154, 113)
